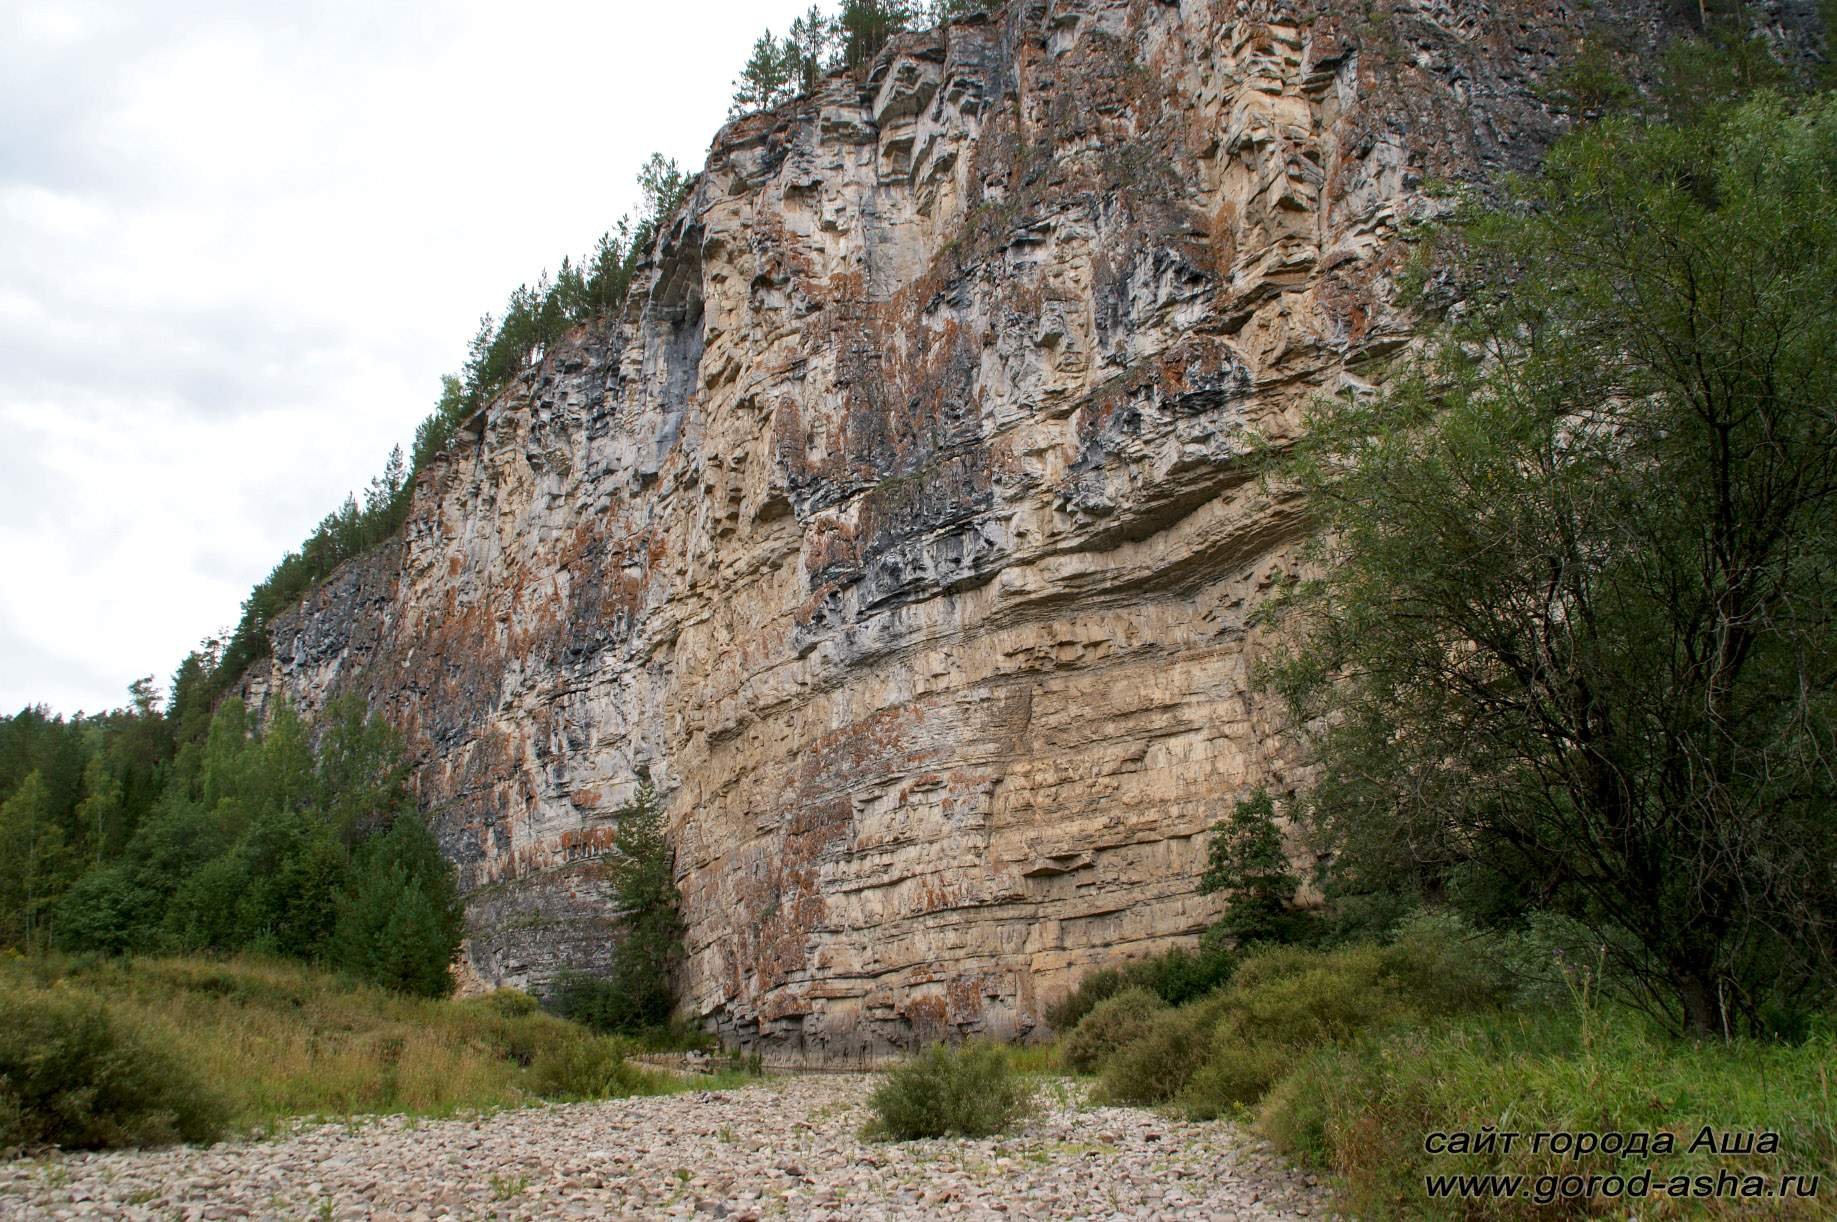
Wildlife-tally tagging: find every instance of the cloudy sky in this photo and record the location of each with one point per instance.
(240, 243)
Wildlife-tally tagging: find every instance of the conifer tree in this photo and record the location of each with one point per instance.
(765, 79)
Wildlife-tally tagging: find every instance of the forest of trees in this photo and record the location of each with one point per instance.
(136, 831)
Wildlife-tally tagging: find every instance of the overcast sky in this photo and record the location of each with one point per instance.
(240, 243)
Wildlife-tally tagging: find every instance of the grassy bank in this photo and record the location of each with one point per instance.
(1365, 1110)
(193, 1048)
(1353, 1058)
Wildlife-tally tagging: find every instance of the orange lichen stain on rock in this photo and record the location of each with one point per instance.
(963, 998)
(927, 1015)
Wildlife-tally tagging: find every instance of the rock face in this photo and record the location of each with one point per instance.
(900, 529)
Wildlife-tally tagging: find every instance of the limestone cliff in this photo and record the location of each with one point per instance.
(900, 530)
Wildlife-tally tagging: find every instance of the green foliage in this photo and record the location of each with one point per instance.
(863, 27)
(1362, 1110)
(1591, 83)
(1156, 1066)
(1227, 1049)
(259, 842)
(1573, 644)
(965, 1091)
(255, 1041)
(766, 80)
(1112, 1023)
(780, 69)
(400, 923)
(69, 1076)
(1175, 976)
(1249, 865)
(636, 995)
(36, 862)
(1095, 987)
(586, 1069)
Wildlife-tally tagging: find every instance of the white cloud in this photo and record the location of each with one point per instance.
(241, 244)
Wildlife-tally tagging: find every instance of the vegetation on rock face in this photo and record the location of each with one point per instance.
(968, 1090)
(534, 317)
(780, 69)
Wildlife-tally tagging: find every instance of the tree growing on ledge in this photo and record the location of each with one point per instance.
(1575, 647)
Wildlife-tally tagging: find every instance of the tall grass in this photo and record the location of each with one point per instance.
(1364, 1111)
(268, 1040)
(1349, 1058)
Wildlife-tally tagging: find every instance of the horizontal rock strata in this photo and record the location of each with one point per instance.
(901, 530)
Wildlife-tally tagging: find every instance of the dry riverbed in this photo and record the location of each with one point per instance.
(788, 1147)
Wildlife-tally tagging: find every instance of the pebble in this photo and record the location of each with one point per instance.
(689, 1155)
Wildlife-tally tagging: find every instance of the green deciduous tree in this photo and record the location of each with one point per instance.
(1573, 644)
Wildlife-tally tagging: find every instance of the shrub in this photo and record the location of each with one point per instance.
(967, 1091)
(589, 1068)
(511, 1003)
(1175, 976)
(1363, 1109)
(1156, 1066)
(1179, 975)
(69, 1076)
(1285, 1001)
(1112, 1023)
(1070, 1010)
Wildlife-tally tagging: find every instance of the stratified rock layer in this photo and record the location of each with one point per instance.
(901, 529)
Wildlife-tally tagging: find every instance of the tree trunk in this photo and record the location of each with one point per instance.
(1702, 1016)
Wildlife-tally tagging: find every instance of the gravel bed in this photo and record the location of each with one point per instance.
(788, 1147)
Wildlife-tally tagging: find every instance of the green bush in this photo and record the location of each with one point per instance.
(1363, 1109)
(1069, 1011)
(1179, 975)
(1285, 1001)
(1175, 976)
(1111, 1024)
(1156, 1066)
(511, 1003)
(591, 1068)
(966, 1091)
(69, 1076)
